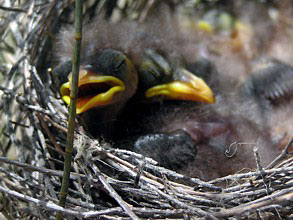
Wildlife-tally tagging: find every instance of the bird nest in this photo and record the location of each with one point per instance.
(105, 183)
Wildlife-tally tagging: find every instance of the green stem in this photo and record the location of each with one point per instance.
(72, 107)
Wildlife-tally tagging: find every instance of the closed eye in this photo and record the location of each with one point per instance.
(154, 71)
(119, 63)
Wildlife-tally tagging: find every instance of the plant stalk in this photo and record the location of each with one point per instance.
(72, 106)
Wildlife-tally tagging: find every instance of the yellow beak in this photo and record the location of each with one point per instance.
(190, 87)
(93, 90)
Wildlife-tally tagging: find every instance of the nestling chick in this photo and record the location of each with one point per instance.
(201, 140)
(108, 79)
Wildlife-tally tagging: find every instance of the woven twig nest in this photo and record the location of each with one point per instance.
(106, 183)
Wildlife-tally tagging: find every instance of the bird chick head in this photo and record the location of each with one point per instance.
(159, 78)
(105, 77)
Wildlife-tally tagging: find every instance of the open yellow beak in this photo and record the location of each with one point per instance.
(190, 88)
(93, 90)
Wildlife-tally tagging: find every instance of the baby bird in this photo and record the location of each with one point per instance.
(155, 113)
(109, 79)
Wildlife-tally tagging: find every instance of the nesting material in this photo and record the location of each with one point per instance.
(108, 183)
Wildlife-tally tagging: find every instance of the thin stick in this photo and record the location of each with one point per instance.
(72, 107)
(12, 9)
(51, 137)
(116, 196)
(276, 198)
(283, 154)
